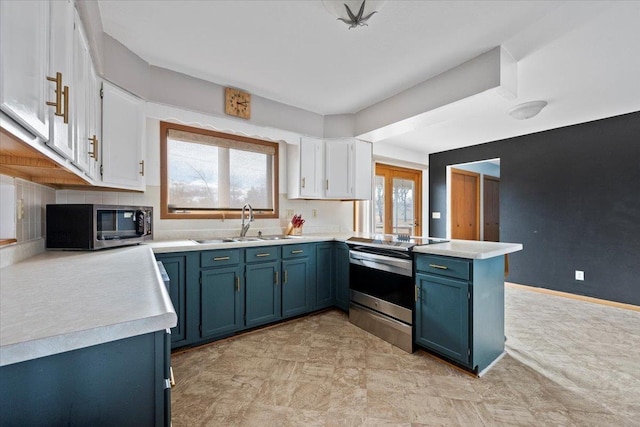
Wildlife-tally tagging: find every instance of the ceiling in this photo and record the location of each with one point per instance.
(579, 56)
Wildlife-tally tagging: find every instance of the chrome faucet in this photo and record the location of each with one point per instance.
(245, 228)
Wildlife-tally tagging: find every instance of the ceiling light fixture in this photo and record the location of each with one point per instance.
(527, 110)
(354, 13)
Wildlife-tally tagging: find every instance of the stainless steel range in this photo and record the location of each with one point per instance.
(382, 288)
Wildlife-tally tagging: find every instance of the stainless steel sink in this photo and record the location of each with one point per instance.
(229, 240)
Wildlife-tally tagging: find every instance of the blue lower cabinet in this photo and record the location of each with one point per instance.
(176, 267)
(118, 383)
(262, 293)
(342, 275)
(442, 316)
(325, 289)
(221, 301)
(295, 287)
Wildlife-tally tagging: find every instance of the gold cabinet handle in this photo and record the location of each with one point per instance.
(141, 168)
(441, 267)
(237, 284)
(172, 379)
(221, 258)
(263, 255)
(303, 179)
(94, 147)
(65, 114)
(297, 251)
(275, 278)
(285, 277)
(58, 102)
(327, 182)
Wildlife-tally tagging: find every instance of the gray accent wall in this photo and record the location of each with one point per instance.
(572, 197)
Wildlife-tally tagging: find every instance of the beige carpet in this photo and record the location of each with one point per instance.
(568, 363)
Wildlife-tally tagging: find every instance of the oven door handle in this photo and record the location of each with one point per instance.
(400, 266)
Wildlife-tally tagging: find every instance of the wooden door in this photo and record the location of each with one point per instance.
(491, 200)
(465, 203)
(398, 200)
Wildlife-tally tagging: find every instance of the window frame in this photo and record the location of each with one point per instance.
(165, 213)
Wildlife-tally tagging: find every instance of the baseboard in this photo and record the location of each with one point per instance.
(574, 296)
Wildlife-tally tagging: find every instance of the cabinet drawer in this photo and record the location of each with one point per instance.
(219, 258)
(296, 251)
(264, 253)
(444, 266)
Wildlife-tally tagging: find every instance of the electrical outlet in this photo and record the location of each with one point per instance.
(20, 209)
(579, 275)
(314, 213)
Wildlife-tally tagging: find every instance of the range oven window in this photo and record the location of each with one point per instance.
(394, 288)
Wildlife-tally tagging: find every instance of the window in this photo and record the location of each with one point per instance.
(208, 174)
(397, 200)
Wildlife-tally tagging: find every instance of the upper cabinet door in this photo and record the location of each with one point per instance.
(338, 169)
(311, 163)
(60, 61)
(24, 53)
(362, 170)
(80, 95)
(122, 139)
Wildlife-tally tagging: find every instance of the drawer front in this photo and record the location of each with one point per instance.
(264, 253)
(444, 266)
(219, 258)
(296, 251)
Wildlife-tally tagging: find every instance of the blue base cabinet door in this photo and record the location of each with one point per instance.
(295, 287)
(342, 275)
(221, 297)
(262, 300)
(176, 269)
(442, 316)
(325, 276)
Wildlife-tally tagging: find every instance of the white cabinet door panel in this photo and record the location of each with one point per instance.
(338, 169)
(81, 83)
(122, 138)
(311, 164)
(24, 50)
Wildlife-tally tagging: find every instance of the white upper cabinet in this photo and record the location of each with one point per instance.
(24, 53)
(330, 169)
(338, 180)
(80, 95)
(61, 66)
(123, 139)
(94, 123)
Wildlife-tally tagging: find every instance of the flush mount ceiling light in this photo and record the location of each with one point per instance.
(527, 110)
(354, 13)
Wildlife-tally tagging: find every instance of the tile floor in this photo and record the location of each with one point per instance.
(568, 363)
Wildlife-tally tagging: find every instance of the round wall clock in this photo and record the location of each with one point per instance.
(237, 103)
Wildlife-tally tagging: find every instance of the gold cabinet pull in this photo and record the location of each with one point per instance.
(327, 181)
(221, 258)
(141, 168)
(237, 284)
(65, 114)
(58, 102)
(263, 254)
(172, 379)
(441, 267)
(285, 277)
(94, 147)
(297, 251)
(303, 179)
(275, 277)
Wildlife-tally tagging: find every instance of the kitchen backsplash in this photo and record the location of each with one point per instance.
(28, 215)
(331, 217)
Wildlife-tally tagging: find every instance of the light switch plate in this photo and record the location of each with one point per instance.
(579, 275)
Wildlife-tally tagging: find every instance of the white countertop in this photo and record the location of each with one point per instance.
(469, 249)
(61, 301)
(168, 246)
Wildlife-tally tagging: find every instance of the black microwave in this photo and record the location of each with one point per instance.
(90, 227)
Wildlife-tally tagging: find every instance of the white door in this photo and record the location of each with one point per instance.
(338, 169)
(60, 61)
(122, 138)
(24, 52)
(311, 166)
